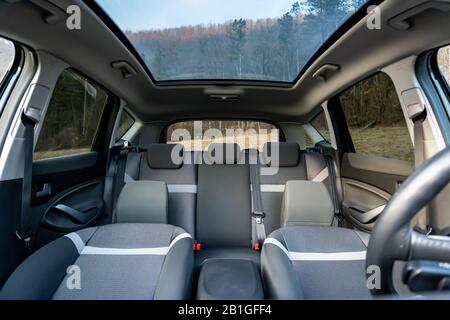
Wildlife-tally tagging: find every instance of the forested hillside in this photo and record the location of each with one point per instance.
(268, 49)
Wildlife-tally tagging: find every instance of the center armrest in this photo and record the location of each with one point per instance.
(229, 279)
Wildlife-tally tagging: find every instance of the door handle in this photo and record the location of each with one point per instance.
(45, 191)
(78, 216)
(366, 217)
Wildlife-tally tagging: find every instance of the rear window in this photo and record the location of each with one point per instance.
(198, 135)
(321, 125)
(125, 123)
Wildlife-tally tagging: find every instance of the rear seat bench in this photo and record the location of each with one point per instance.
(212, 200)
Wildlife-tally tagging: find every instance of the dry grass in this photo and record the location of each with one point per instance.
(39, 155)
(389, 142)
(244, 141)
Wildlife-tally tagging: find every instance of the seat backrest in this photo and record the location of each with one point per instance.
(223, 199)
(293, 164)
(300, 205)
(142, 202)
(171, 164)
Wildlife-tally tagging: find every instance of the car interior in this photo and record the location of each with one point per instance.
(224, 151)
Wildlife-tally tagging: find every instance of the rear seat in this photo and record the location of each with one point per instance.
(224, 206)
(212, 201)
(294, 164)
(156, 164)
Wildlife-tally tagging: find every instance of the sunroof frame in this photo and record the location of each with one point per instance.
(346, 26)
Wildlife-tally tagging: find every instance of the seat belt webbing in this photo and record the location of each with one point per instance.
(334, 193)
(120, 171)
(421, 219)
(24, 230)
(258, 215)
(333, 190)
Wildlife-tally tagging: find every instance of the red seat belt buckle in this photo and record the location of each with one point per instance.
(197, 247)
(256, 246)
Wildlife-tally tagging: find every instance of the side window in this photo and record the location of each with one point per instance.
(321, 125)
(125, 123)
(375, 119)
(7, 54)
(444, 62)
(72, 118)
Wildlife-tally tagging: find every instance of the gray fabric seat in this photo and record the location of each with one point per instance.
(156, 164)
(119, 261)
(293, 164)
(224, 200)
(300, 261)
(316, 262)
(224, 206)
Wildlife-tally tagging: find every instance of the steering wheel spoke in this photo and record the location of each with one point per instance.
(432, 248)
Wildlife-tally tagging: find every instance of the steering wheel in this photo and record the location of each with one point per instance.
(393, 238)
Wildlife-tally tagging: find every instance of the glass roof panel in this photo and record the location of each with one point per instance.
(268, 40)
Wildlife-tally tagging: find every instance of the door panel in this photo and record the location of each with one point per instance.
(58, 174)
(368, 183)
(11, 248)
(64, 187)
(362, 202)
(68, 163)
(75, 209)
(382, 173)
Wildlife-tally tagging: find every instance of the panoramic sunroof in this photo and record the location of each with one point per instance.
(263, 40)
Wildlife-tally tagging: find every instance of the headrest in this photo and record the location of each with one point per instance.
(143, 202)
(165, 156)
(306, 203)
(223, 153)
(288, 154)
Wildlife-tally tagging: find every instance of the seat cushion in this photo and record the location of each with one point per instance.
(313, 262)
(120, 261)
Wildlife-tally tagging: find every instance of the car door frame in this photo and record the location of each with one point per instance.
(365, 185)
(68, 191)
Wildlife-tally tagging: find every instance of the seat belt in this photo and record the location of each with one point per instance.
(421, 219)
(332, 176)
(121, 165)
(334, 193)
(24, 230)
(415, 104)
(258, 215)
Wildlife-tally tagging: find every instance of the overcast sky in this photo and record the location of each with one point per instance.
(159, 14)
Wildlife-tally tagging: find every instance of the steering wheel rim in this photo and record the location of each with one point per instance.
(393, 238)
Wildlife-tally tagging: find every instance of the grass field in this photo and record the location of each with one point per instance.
(39, 155)
(389, 142)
